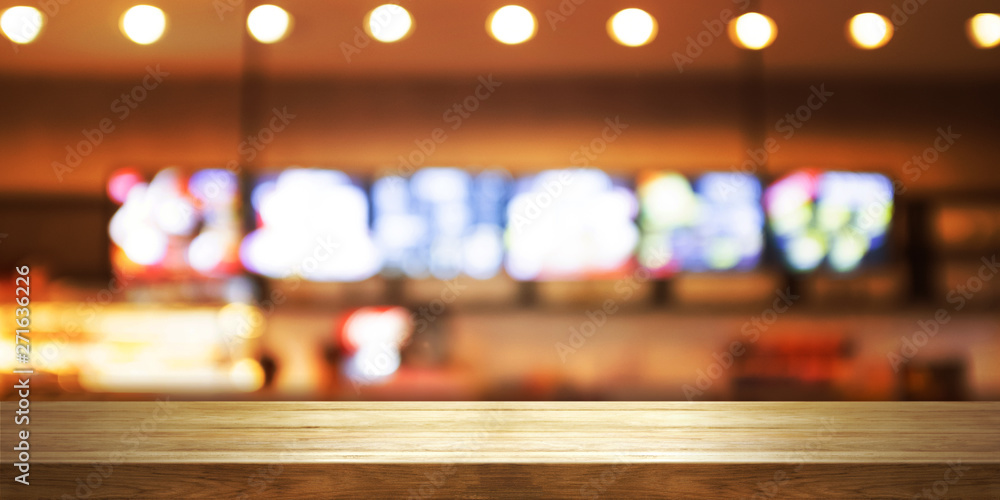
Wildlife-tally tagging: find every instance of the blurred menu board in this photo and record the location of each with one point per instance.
(716, 224)
(838, 218)
(441, 222)
(568, 224)
(311, 223)
(571, 224)
(175, 224)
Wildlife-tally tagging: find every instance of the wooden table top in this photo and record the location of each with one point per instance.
(510, 432)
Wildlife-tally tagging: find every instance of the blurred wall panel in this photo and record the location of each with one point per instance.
(65, 236)
(883, 124)
(524, 124)
(88, 128)
(621, 124)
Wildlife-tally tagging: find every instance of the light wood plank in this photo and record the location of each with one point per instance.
(516, 432)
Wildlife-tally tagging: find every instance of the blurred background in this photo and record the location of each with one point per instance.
(452, 200)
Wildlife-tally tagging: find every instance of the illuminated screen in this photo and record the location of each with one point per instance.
(836, 217)
(311, 223)
(441, 222)
(714, 225)
(570, 224)
(175, 225)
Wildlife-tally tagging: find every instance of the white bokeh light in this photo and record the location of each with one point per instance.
(753, 31)
(984, 30)
(632, 27)
(21, 24)
(512, 24)
(268, 23)
(143, 24)
(869, 30)
(388, 23)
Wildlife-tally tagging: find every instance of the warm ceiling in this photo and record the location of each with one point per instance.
(82, 40)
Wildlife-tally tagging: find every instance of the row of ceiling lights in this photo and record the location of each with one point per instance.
(511, 24)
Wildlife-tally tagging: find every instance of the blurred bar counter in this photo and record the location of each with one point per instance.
(236, 352)
(169, 449)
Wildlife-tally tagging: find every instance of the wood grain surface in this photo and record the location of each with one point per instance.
(506, 450)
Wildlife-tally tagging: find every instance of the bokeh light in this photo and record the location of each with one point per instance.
(841, 217)
(143, 24)
(268, 23)
(632, 27)
(570, 224)
(753, 31)
(21, 24)
(512, 24)
(716, 225)
(247, 375)
(312, 223)
(388, 23)
(869, 30)
(984, 30)
(441, 222)
(175, 224)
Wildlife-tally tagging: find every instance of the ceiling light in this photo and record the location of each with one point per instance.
(753, 31)
(21, 24)
(869, 30)
(388, 23)
(632, 27)
(512, 24)
(143, 24)
(268, 23)
(984, 30)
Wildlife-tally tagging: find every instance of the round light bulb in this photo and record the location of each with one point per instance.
(143, 24)
(512, 24)
(268, 23)
(984, 30)
(632, 27)
(388, 23)
(869, 30)
(753, 31)
(21, 24)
